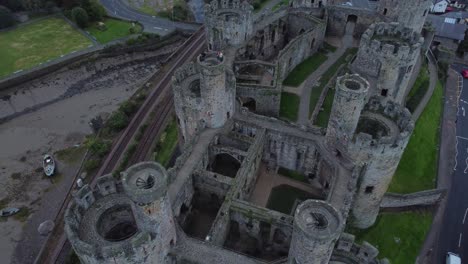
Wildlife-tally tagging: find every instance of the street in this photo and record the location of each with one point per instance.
(151, 24)
(454, 231)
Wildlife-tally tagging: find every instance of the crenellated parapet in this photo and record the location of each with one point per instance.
(412, 13)
(228, 23)
(382, 134)
(122, 221)
(348, 251)
(387, 55)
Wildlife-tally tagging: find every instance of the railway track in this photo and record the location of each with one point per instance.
(56, 241)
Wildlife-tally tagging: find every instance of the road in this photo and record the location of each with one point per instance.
(453, 235)
(151, 24)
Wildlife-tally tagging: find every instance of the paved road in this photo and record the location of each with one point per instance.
(454, 231)
(152, 24)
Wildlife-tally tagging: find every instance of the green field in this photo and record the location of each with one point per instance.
(398, 236)
(115, 29)
(300, 73)
(289, 106)
(28, 45)
(418, 166)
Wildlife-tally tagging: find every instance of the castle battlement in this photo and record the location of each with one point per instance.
(391, 40)
(123, 220)
(220, 6)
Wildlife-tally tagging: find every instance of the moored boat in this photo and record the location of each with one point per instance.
(49, 165)
(8, 211)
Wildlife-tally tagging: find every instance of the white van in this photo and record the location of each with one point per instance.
(453, 258)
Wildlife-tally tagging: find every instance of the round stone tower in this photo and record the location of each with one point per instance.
(350, 97)
(381, 137)
(123, 222)
(412, 13)
(386, 57)
(228, 23)
(217, 85)
(317, 226)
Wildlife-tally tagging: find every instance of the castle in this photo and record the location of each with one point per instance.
(213, 205)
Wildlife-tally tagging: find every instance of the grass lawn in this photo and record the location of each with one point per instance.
(280, 4)
(419, 89)
(398, 236)
(317, 91)
(304, 69)
(289, 106)
(28, 45)
(282, 198)
(167, 144)
(418, 166)
(324, 115)
(115, 29)
(292, 174)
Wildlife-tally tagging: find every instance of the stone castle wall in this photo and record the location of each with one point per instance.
(387, 54)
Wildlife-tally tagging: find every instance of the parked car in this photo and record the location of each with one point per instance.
(453, 258)
(465, 74)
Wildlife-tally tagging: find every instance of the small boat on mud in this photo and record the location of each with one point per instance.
(9, 211)
(49, 165)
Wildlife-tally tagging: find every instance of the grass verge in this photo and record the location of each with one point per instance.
(324, 115)
(418, 166)
(289, 106)
(29, 45)
(115, 29)
(304, 69)
(71, 155)
(317, 91)
(419, 89)
(398, 236)
(167, 144)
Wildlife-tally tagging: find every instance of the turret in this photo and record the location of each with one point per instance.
(317, 226)
(350, 97)
(412, 13)
(386, 57)
(381, 137)
(123, 222)
(228, 23)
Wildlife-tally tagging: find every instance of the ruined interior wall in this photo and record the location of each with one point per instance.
(282, 150)
(267, 100)
(301, 45)
(338, 17)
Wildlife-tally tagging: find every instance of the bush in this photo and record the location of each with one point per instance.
(91, 165)
(132, 30)
(118, 121)
(6, 18)
(80, 17)
(98, 146)
(129, 107)
(96, 11)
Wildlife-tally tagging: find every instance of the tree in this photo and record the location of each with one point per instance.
(80, 17)
(13, 5)
(6, 18)
(95, 10)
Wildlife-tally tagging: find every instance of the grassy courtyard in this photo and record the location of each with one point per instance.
(398, 236)
(304, 69)
(28, 45)
(317, 91)
(289, 106)
(324, 116)
(418, 166)
(115, 29)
